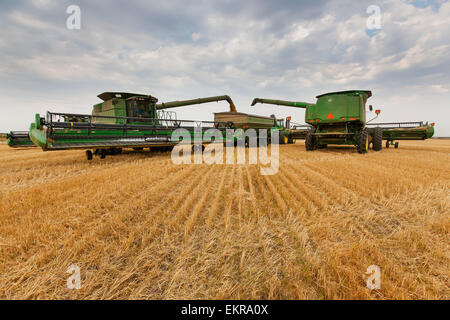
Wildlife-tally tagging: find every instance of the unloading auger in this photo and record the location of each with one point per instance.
(340, 118)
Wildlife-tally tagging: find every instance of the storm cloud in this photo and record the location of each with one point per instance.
(187, 49)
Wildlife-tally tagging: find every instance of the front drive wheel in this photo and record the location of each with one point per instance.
(310, 141)
(377, 142)
(363, 141)
(282, 138)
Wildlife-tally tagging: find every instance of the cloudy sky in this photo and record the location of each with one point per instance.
(182, 49)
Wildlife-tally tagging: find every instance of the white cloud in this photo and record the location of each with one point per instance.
(227, 50)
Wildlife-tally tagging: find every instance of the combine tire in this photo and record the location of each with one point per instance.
(396, 145)
(377, 142)
(102, 154)
(309, 141)
(387, 144)
(283, 138)
(89, 155)
(363, 142)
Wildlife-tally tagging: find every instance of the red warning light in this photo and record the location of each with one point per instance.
(330, 116)
(377, 111)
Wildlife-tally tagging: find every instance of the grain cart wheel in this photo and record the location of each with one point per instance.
(89, 155)
(310, 141)
(283, 139)
(363, 141)
(387, 144)
(377, 141)
(102, 154)
(396, 145)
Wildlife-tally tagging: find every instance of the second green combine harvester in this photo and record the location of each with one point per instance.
(340, 118)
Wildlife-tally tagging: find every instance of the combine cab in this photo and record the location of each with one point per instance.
(339, 118)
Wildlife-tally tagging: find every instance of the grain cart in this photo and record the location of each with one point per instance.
(122, 120)
(340, 118)
(247, 121)
(19, 139)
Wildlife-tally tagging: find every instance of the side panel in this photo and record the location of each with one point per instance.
(108, 109)
(337, 108)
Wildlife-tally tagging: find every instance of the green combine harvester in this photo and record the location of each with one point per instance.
(122, 120)
(19, 139)
(339, 118)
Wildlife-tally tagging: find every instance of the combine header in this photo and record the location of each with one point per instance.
(19, 139)
(340, 118)
(403, 131)
(122, 120)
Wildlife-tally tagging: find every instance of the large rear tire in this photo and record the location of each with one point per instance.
(363, 141)
(310, 141)
(377, 142)
(282, 138)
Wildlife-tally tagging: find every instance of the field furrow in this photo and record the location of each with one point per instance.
(141, 227)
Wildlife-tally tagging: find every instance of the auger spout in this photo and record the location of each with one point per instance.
(181, 103)
(282, 103)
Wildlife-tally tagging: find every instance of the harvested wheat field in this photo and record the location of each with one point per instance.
(140, 227)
